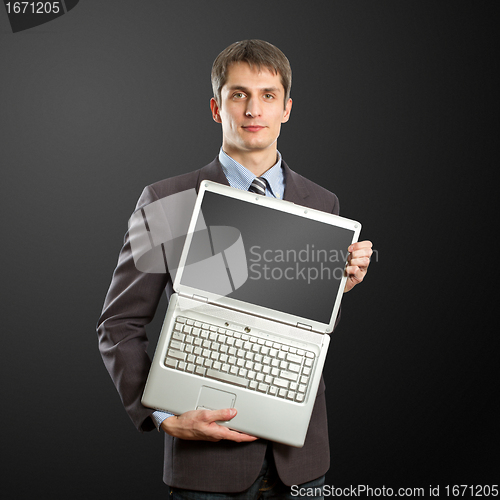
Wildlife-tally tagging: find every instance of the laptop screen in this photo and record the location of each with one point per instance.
(267, 257)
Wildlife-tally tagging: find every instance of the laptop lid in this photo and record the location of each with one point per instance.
(266, 257)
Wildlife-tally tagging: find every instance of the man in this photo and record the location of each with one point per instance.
(251, 82)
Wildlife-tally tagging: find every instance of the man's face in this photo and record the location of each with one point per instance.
(251, 109)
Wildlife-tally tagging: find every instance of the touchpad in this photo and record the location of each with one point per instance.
(214, 399)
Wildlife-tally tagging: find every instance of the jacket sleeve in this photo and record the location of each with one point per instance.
(130, 305)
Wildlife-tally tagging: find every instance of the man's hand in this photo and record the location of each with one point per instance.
(201, 425)
(357, 263)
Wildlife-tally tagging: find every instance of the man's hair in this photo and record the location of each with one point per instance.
(257, 53)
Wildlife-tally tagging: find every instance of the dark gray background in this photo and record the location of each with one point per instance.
(395, 109)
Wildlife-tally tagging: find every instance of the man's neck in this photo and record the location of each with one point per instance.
(257, 162)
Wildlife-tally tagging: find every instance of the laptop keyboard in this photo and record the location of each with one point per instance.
(240, 359)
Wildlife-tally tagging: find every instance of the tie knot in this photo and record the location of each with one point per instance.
(258, 186)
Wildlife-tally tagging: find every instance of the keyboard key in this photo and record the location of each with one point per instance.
(294, 358)
(178, 336)
(172, 353)
(289, 375)
(171, 362)
(226, 377)
(281, 383)
(176, 344)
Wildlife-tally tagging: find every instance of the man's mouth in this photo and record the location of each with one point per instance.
(253, 128)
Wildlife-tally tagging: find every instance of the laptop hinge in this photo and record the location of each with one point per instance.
(304, 327)
(194, 297)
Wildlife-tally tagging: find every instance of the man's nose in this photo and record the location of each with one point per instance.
(253, 108)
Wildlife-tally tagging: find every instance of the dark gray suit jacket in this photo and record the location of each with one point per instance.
(131, 303)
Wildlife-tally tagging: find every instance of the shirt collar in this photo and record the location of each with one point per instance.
(240, 177)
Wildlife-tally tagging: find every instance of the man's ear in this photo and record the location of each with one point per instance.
(215, 110)
(288, 110)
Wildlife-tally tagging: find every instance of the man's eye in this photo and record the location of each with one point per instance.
(268, 96)
(239, 95)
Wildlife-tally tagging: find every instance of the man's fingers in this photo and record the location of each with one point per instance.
(359, 245)
(239, 437)
(215, 415)
(359, 262)
(218, 432)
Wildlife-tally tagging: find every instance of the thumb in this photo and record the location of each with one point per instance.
(225, 414)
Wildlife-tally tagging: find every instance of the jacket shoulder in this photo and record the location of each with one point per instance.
(167, 187)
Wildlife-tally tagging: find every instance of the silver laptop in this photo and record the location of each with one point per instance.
(257, 291)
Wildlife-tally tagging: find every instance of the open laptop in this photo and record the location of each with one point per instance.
(257, 291)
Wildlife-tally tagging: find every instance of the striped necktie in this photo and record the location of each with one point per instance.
(258, 186)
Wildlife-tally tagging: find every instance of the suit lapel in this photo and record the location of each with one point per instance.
(295, 188)
(212, 172)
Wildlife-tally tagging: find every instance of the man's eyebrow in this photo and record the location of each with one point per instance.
(247, 90)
